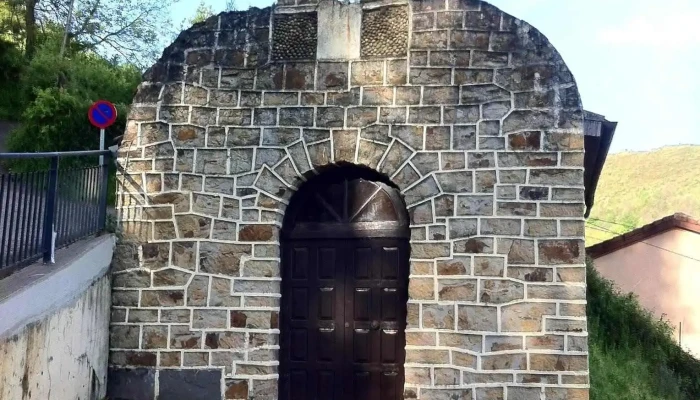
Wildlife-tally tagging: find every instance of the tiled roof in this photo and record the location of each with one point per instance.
(675, 221)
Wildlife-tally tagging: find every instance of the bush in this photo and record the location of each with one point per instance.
(60, 91)
(84, 74)
(634, 354)
(57, 121)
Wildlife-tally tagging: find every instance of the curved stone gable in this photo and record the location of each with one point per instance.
(474, 116)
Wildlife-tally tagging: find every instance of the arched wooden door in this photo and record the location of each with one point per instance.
(345, 267)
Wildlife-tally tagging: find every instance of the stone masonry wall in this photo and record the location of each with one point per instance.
(471, 112)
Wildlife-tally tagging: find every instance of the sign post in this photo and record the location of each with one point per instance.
(102, 114)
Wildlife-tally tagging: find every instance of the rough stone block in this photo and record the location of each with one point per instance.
(429, 40)
(488, 59)
(423, 115)
(359, 117)
(456, 290)
(131, 383)
(427, 356)
(477, 318)
(556, 362)
(500, 226)
(489, 393)
(464, 137)
(452, 58)
(438, 316)
(188, 384)
(393, 115)
(540, 228)
(430, 76)
(456, 266)
(561, 252)
(554, 393)
(526, 393)
(500, 291)
(367, 73)
(330, 117)
(373, 96)
(332, 75)
(474, 205)
(423, 21)
(503, 343)
(545, 342)
(452, 161)
(504, 362)
(407, 95)
(440, 95)
(562, 210)
(525, 317)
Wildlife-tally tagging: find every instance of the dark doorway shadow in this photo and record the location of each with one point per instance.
(345, 266)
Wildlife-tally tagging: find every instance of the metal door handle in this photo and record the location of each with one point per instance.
(375, 325)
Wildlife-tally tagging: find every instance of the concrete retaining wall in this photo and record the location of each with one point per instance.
(54, 326)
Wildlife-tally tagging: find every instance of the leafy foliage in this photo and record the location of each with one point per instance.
(49, 90)
(125, 30)
(130, 31)
(56, 93)
(11, 67)
(11, 21)
(60, 90)
(638, 188)
(201, 14)
(633, 355)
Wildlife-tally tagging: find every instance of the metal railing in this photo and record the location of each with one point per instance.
(43, 210)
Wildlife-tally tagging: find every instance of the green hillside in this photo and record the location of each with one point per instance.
(638, 188)
(633, 355)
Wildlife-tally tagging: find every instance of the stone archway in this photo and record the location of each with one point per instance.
(470, 112)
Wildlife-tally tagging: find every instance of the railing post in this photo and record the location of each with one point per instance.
(50, 210)
(104, 169)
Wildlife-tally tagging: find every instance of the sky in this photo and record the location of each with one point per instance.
(637, 62)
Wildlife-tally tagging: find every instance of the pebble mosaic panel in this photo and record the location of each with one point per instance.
(294, 36)
(385, 32)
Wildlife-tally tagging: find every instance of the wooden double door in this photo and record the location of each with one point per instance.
(343, 319)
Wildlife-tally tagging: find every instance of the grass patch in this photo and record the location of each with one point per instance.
(633, 355)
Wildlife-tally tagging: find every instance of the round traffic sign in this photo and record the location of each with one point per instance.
(102, 114)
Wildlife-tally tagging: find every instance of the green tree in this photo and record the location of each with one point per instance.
(11, 68)
(12, 21)
(201, 14)
(130, 31)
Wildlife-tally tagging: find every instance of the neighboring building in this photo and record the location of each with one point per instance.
(354, 200)
(659, 262)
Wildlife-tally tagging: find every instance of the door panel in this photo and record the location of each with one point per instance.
(379, 317)
(343, 319)
(311, 324)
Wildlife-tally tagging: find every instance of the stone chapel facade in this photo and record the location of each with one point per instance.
(380, 200)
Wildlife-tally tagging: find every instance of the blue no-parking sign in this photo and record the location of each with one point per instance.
(102, 114)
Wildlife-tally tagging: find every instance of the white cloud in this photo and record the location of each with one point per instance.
(667, 31)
